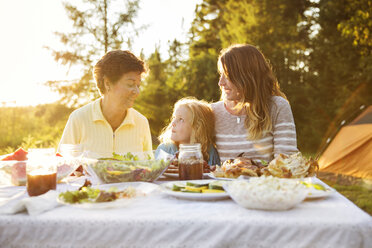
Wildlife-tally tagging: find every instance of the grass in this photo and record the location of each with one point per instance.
(355, 189)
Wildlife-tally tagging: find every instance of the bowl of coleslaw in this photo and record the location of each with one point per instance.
(267, 193)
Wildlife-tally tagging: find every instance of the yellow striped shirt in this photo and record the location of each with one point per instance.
(88, 126)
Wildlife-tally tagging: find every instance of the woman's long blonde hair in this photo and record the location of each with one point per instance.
(202, 124)
(246, 67)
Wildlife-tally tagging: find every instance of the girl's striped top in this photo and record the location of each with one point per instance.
(232, 139)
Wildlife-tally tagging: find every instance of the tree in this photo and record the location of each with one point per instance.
(98, 28)
(153, 102)
(340, 63)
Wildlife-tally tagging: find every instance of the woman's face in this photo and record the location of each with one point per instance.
(126, 89)
(228, 88)
(181, 125)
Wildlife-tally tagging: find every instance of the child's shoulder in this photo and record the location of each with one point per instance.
(170, 148)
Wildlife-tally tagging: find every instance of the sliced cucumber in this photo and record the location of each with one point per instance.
(177, 187)
(216, 185)
(197, 185)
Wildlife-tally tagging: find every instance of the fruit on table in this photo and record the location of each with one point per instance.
(19, 177)
(19, 155)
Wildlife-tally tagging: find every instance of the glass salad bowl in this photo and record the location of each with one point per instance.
(127, 168)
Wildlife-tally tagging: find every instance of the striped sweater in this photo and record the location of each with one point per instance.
(232, 139)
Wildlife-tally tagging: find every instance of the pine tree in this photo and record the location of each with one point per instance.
(99, 26)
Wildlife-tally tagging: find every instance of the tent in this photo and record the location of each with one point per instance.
(350, 152)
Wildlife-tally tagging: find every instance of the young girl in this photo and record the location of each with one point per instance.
(192, 122)
(253, 117)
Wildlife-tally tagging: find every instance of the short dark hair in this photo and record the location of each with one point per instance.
(114, 64)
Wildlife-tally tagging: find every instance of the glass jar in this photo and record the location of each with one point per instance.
(190, 162)
(41, 171)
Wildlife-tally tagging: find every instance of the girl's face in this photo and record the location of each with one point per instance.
(228, 88)
(181, 125)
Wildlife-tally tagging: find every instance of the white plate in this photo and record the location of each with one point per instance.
(167, 189)
(176, 176)
(317, 193)
(143, 187)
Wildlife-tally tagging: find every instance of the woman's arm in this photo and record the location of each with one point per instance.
(284, 129)
(147, 142)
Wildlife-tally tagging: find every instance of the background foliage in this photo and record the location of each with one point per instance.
(320, 52)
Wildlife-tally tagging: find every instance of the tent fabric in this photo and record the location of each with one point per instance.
(363, 118)
(350, 152)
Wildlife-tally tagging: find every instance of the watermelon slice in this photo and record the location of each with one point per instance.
(18, 170)
(19, 155)
(19, 174)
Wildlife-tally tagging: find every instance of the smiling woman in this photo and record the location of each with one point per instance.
(253, 118)
(110, 124)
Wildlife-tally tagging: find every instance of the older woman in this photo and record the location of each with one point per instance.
(254, 117)
(110, 124)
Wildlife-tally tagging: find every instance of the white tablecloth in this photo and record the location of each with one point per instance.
(162, 221)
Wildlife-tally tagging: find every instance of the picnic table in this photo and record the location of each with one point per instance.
(160, 220)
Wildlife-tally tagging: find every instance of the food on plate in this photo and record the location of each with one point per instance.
(267, 193)
(88, 194)
(284, 166)
(316, 186)
(199, 187)
(234, 168)
(292, 166)
(127, 168)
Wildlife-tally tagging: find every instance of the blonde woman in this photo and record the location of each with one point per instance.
(192, 122)
(253, 117)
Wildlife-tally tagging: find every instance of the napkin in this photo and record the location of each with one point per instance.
(34, 205)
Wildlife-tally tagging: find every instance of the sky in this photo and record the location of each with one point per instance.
(28, 26)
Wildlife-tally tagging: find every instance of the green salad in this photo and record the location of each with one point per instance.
(94, 195)
(128, 168)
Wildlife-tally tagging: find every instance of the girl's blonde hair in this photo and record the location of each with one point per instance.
(202, 124)
(246, 67)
